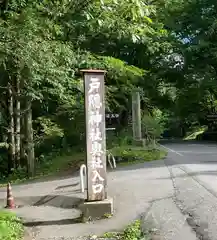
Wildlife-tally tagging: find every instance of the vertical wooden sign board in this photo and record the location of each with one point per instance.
(95, 134)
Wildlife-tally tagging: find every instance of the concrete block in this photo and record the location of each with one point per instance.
(97, 209)
(139, 143)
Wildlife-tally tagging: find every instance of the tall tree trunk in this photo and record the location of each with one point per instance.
(11, 140)
(29, 139)
(17, 136)
(23, 159)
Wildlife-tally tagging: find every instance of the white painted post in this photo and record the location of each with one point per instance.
(114, 161)
(83, 177)
(109, 159)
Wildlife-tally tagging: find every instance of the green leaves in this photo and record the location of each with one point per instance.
(46, 43)
(10, 226)
(48, 128)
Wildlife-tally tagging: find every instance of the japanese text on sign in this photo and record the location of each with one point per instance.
(95, 134)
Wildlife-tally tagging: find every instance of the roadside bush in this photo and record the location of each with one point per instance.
(151, 128)
(132, 232)
(132, 154)
(121, 138)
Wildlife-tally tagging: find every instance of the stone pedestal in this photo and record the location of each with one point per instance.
(97, 209)
(140, 143)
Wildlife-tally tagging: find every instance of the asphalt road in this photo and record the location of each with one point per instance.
(193, 170)
(198, 159)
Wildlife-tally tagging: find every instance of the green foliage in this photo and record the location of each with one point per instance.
(123, 138)
(133, 232)
(166, 49)
(114, 235)
(53, 164)
(65, 161)
(152, 127)
(47, 129)
(192, 135)
(132, 154)
(11, 227)
(123, 147)
(192, 25)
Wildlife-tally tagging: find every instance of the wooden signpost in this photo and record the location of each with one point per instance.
(112, 121)
(95, 135)
(212, 117)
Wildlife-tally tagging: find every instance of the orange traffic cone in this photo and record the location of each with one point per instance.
(10, 199)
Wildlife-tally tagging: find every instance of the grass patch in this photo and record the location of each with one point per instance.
(11, 227)
(132, 232)
(49, 166)
(132, 154)
(195, 132)
(57, 164)
(60, 163)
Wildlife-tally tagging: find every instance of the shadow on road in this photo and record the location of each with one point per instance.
(54, 222)
(59, 201)
(67, 186)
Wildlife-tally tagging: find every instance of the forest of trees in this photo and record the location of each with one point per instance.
(166, 48)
